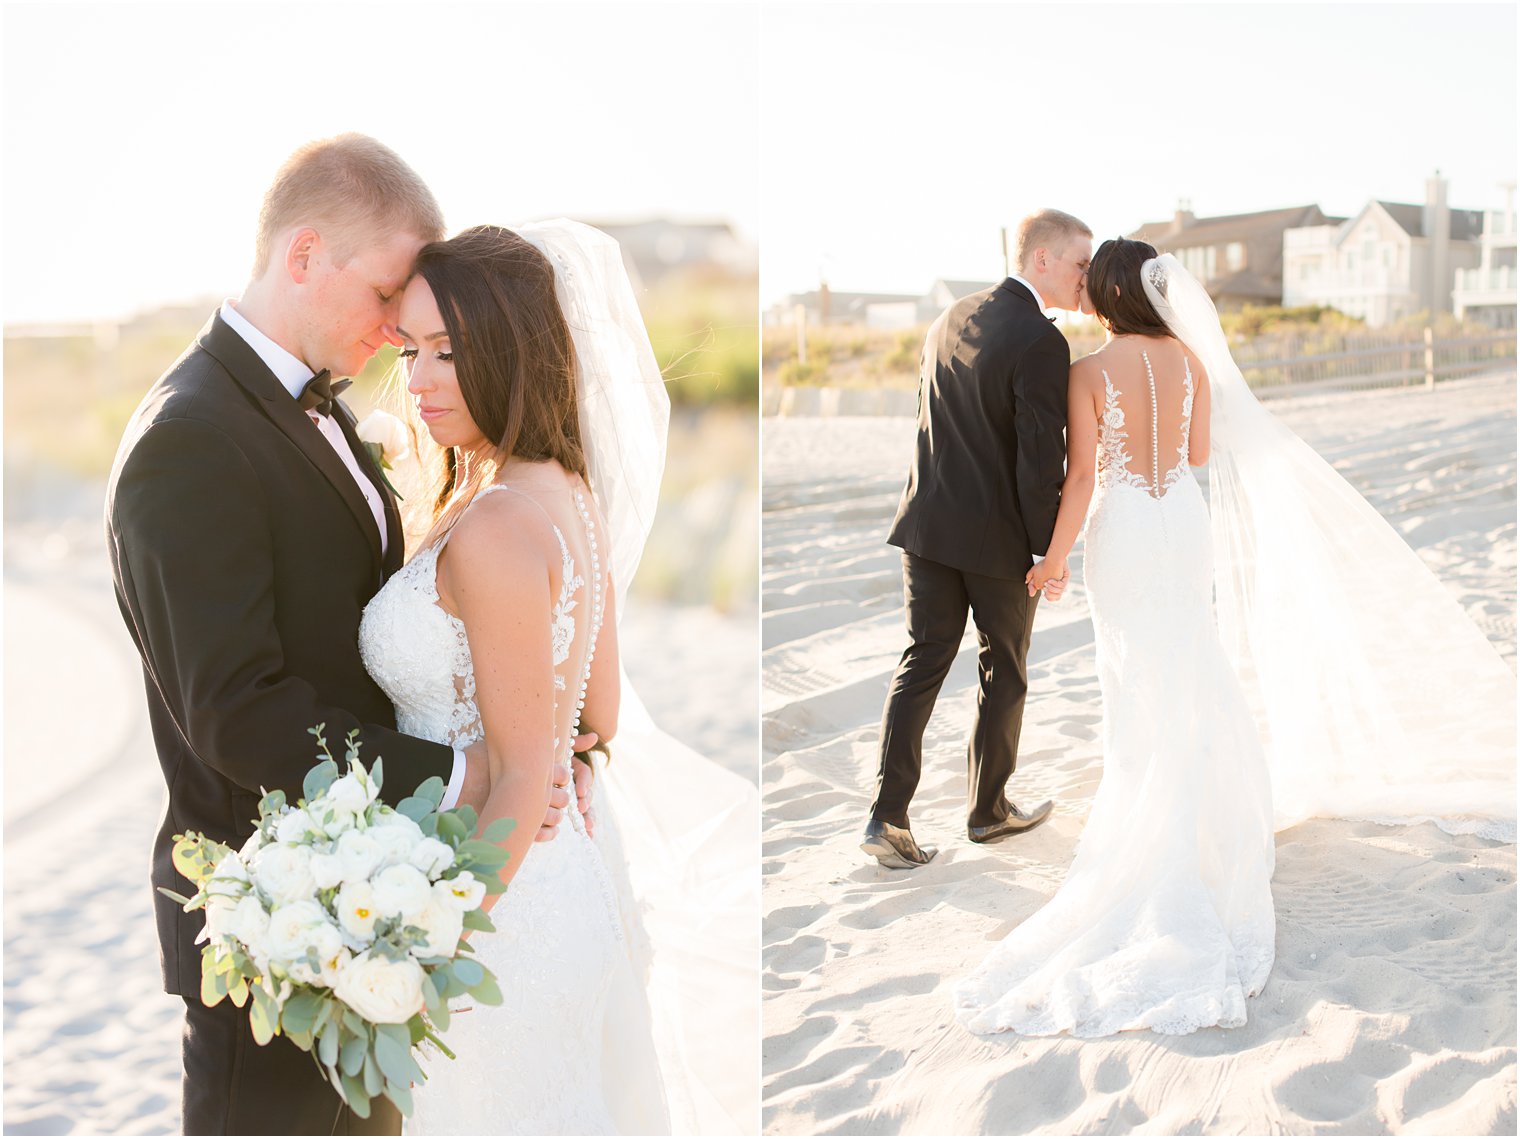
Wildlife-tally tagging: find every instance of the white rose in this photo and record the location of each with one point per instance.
(443, 924)
(219, 917)
(251, 847)
(385, 429)
(327, 945)
(431, 856)
(353, 859)
(397, 836)
(284, 873)
(295, 826)
(402, 890)
(350, 794)
(381, 991)
(293, 930)
(230, 877)
(464, 891)
(250, 922)
(356, 911)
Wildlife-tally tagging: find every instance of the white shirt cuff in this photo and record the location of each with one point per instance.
(1038, 558)
(456, 783)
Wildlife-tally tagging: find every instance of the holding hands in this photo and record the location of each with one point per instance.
(1050, 577)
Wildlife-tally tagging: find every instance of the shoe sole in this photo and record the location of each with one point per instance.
(1010, 834)
(887, 855)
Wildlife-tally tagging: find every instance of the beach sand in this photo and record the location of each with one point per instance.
(91, 1040)
(1391, 1007)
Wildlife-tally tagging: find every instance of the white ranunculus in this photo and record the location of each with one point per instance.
(443, 924)
(327, 944)
(356, 911)
(389, 432)
(397, 836)
(402, 890)
(381, 991)
(326, 868)
(463, 891)
(293, 930)
(431, 856)
(295, 825)
(283, 872)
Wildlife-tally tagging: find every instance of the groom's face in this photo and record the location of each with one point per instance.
(1067, 272)
(352, 307)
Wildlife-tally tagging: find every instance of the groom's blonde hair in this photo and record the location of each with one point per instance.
(353, 191)
(1045, 229)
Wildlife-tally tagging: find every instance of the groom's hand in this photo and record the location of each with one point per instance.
(559, 799)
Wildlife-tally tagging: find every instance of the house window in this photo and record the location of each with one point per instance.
(1234, 256)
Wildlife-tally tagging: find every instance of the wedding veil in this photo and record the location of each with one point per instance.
(1379, 697)
(681, 834)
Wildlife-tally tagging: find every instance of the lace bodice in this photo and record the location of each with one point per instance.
(1115, 464)
(418, 652)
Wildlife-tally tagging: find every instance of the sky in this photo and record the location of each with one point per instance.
(139, 138)
(897, 139)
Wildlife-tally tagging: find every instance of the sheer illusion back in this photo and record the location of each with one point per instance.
(1143, 434)
(1165, 919)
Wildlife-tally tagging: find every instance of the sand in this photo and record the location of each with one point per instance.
(1392, 1004)
(91, 1041)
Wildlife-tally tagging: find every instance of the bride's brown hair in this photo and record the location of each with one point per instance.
(1116, 292)
(513, 355)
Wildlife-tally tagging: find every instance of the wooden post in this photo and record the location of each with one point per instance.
(800, 311)
(1430, 358)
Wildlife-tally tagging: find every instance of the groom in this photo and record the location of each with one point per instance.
(977, 512)
(247, 530)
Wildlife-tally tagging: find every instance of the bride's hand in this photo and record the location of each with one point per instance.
(559, 799)
(1050, 571)
(583, 778)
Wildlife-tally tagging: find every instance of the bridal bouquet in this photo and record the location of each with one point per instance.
(342, 919)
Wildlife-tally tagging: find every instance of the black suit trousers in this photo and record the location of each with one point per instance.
(937, 599)
(234, 1086)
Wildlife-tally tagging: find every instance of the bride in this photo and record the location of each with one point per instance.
(1273, 636)
(531, 368)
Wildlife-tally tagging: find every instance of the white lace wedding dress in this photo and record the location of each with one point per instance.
(1165, 919)
(546, 1061)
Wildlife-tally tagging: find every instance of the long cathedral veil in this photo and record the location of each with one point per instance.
(680, 833)
(1379, 697)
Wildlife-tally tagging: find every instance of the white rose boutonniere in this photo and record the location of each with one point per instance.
(385, 438)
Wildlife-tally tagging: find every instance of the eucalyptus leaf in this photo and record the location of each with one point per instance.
(486, 991)
(300, 1012)
(469, 971)
(432, 790)
(239, 992)
(264, 1017)
(499, 830)
(441, 1018)
(393, 1052)
(355, 1095)
(374, 1082)
(351, 1056)
(479, 920)
(483, 853)
(401, 1096)
(272, 803)
(377, 772)
(451, 829)
(328, 1045)
(467, 816)
(354, 1023)
(319, 779)
(414, 808)
(212, 990)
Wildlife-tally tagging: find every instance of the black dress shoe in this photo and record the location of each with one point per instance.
(894, 847)
(1016, 823)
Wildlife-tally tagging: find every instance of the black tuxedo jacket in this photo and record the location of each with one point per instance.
(986, 478)
(243, 556)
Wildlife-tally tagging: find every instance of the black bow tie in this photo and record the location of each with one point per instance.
(320, 391)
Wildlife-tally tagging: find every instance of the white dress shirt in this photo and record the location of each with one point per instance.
(294, 375)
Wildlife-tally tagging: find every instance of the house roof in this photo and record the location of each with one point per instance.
(960, 289)
(1229, 227)
(1466, 225)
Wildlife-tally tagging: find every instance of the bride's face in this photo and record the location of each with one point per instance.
(431, 378)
